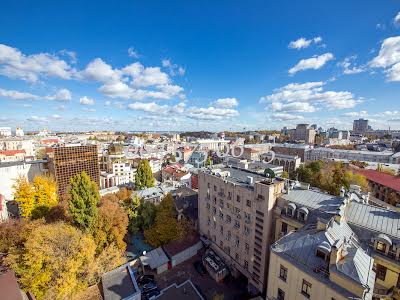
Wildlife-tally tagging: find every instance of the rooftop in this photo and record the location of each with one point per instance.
(119, 283)
(314, 200)
(374, 218)
(390, 181)
(300, 248)
(154, 258)
(184, 291)
(177, 246)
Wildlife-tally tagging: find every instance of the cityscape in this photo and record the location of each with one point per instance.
(198, 150)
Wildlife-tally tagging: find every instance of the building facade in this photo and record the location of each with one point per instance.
(66, 162)
(235, 214)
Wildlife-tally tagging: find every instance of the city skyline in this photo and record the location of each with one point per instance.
(184, 66)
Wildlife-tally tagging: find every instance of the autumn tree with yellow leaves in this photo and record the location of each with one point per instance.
(36, 198)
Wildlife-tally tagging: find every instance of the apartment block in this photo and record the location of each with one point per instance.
(374, 230)
(235, 214)
(66, 162)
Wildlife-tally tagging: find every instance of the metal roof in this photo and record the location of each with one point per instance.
(374, 218)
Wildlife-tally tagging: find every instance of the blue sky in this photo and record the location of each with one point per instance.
(188, 65)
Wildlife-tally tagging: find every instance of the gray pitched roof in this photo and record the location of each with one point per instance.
(375, 219)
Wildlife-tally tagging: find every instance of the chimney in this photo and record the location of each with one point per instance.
(321, 225)
(250, 180)
(334, 256)
(342, 192)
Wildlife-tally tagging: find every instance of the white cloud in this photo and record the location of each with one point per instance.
(173, 69)
(389, 58)
(211, 113)
(134, 81)
(226, 102)
(15, 64)
(151, 107)
(293, 107)
(61, 95)
(349, 67)
(302, 43)
(71, 55)
(356, 114)
(286, 117)
(86, 101)
(291, 98)
(396, 20)
(56, 117)
(133, 53)
(315, 63)
(37, 119)
(16, 95)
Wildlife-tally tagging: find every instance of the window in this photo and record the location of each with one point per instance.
(221, 215)
(281, 295)
(238, 198)
(228, 219)
(381, 246)
(380, 272)
(246, 264)
(321, 254)
(301, 216)
(221, 229)
(237, 256)
(284, 228)
(221, 244)
(260, 197)
(237, 224)
(248, 203)
(290, 211)
(306, 288)
(215, 188)
(208, 184)
(283, 273)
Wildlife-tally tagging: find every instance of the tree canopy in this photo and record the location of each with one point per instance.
(141, 213)
(36, 198)
(82, 202)
(144, 175)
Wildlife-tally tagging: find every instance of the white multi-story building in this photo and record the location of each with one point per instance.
(5, 131)
(10, 171)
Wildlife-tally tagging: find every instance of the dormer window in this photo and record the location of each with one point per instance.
(302, 214)
(382, 243)
(290, 210)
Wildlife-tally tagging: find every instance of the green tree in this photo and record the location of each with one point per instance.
(144, 176)
(209, 161)
(285, 174)
(53, 261)
(141, 213)
(82, 202)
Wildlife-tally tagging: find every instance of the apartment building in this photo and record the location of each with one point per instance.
(340, 154)
(375, 229)
(235, 214)
(66, 162)
(324, 261)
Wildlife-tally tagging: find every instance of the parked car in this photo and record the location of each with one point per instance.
(200, 268)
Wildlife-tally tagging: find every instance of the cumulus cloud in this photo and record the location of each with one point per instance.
(308, 97)
(396, 20)
(211, 113)
(226, 102)
(349, 67)
(314, 63)
(14, 64)
(389, 58)
(86, 101)
(302, 43)
(61, 95)
(134, 81)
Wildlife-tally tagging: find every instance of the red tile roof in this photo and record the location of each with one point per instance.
(384, 179)
(12, 152)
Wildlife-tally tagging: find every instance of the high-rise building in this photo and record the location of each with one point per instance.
(360, 126)
(66, 162)
(235, 214)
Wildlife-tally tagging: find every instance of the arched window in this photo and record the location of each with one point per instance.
(291, 209)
